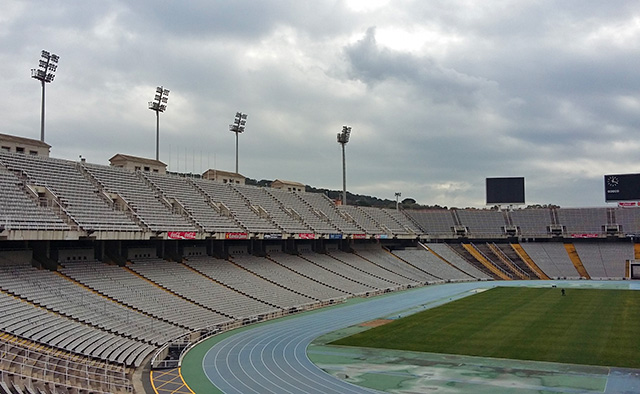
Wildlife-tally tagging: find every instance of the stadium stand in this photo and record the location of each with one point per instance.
(303, 265)
(270, 208)
(437, 267)
(327, 209)
(552, 258)
(628, 219)
(62, 296)
(604, 261)
(583, 220)
(391, 222)
(30, 367)
(449, 255)
(186, 195)
(482, 223)
(84, 324)
(362, 219)
(70, 191)
(230, 201)
(19, 211)
(532, 222)
(388, 261)
(293, 203)
(129, 288)
(437, 223)
(148, 207)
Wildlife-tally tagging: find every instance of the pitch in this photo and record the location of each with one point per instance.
(584, 326)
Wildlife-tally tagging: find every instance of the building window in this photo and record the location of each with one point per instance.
(155, 170)
(33, 152)
(6, 149)
(19, 149)
(147, 169)
(138, 168)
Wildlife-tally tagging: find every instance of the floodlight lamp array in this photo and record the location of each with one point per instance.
(160, 100)
(239, 123)
(47, 66)
(343, 136)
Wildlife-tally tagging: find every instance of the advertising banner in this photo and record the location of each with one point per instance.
(584, 235)
(181, 235)
(236, 236)
(335, 236)
(307, 236)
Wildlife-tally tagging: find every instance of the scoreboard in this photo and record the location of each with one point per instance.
(621, 187)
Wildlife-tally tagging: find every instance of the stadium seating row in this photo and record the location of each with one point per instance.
(41, 193)
(113, 317)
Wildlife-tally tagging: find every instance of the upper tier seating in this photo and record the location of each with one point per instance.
(194, 202)
(322, 204)
(582, 220)
(362, 219)
(436, 223)
(78, 197)
(317, 221)
(140, 197)
(226, 196)
(532, 222)
(19, 212)
(392, 220)
(628, 219)
(259, 198)
(482, 223)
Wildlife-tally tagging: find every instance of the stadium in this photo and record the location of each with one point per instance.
(111, 275)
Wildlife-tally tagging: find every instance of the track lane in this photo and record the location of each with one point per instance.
(272, 358)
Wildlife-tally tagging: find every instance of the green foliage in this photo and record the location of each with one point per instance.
(595, 327)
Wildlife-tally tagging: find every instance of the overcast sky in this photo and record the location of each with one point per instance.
(439, 94)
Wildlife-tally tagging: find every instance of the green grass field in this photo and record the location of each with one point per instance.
(595, 327)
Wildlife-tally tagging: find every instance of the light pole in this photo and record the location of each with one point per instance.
(45, 73)
(239, 123)
(398, 194)
(343, 138)
(159, 104)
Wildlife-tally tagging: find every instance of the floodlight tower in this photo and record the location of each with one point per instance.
(398, 194)
(45, 73)
(159, 104)
(343, 138)
(237, 127)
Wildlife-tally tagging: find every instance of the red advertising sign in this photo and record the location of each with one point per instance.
(584, 235)
(235, 236)
(359, 236)
(627, 204)
(181, 235)
(307, 236)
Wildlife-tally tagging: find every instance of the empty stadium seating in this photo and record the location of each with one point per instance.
(83, 325)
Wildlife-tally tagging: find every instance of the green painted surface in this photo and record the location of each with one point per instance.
(595, 327)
